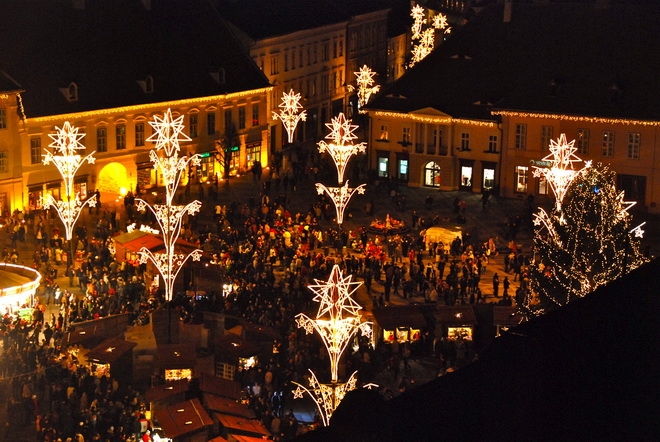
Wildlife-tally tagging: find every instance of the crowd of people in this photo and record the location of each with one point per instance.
(268, 254)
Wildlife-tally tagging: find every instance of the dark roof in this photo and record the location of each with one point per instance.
(391, 317)
(557, 58)
(586, 371)
(110, 45)
(183, 418)
(455, 315)
(270, 18)
(111, 350)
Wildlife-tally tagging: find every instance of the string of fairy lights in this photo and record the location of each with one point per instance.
(586, 240)
(423, 34)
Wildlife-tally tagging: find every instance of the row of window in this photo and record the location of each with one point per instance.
(582, 141)
(140, 134)
(309, 87)
(433, 140)
(295, 57)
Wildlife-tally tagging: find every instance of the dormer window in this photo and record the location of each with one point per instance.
(218, 76)
(70, 92)
(147, 84)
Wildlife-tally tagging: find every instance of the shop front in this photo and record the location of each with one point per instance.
(176, 361)
(455, 322)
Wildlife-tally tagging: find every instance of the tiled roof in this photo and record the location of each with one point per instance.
(110, 45)
(269, 18)
(555, 58)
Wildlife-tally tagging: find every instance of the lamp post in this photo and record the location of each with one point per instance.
(168, 132)
(65, 156)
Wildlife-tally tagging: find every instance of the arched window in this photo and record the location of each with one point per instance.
(432, 174)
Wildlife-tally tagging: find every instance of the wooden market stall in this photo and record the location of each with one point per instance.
(113, 357)
(185, 421)
(176, 361)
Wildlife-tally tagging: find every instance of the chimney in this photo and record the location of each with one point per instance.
(508, 4)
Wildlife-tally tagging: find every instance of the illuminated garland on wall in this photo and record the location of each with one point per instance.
(432, 120)
(580, 118)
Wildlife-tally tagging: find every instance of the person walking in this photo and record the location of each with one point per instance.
(506, 284)
(496, 285)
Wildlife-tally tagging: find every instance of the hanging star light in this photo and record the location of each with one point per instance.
(290, 114)
(340, 196)
(341, 133)
(561, 173)
(66, 144)
(365, 81)
(425, 37)
(168, 133)
(338, 319)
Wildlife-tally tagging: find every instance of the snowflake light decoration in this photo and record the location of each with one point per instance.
(425, 38)
(561, 173)
(337, 321)
(341, 133)
(66, 144)
(290, 114)
(168, 133)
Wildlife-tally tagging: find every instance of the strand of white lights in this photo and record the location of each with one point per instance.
(168, 132)
(290, 114)
(561, 173)
(327, 397)
(341, 133)
(66, 144)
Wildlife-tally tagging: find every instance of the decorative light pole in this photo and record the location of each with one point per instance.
(425, 37)
(337, 321)
(341, 132)
(338, 318)
(365, 86)
(168, 133)
(290, 114)
(66, 144)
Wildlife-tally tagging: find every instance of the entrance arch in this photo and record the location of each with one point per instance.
(113, 179)
(432, 174)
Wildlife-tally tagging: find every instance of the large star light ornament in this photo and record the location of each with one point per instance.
(425, 38)
(340, 149)
(168, 133)
(66, 144)
(366, 87)
(337, 321)
(290, 113)
(561, 172)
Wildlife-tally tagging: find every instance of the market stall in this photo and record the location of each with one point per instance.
(112, 358)
(401, 323)
(162, 396)
(455, 322)
(505, 317)
(185, 421)
(176, 361)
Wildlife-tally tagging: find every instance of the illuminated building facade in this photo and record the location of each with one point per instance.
(312, 48)
(110, 90)
(480, 111)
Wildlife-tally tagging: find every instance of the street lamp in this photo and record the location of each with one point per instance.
(168, 132)
(66, 144)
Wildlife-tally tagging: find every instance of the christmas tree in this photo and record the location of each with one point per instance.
(584, 242)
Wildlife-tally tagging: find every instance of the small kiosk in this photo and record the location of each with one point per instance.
(176, 361)
(505, 317)
(185, 421)
(112, 358)
(217, 386)
(455, 322)
(233, 427)
(401, 323)
(162, 396)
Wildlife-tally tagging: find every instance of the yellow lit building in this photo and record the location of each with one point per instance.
(110, 85)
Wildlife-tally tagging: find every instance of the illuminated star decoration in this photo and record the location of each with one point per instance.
(337, 321)
(290, 114)
(340, 196)
(365, 81)
(168, 133)
(561, 173)
(425, 38)
(66, 144)
(341, 133)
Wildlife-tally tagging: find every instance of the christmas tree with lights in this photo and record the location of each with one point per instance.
(585, 241)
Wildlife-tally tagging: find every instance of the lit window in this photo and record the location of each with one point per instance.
(633, 145)
(255, 114)
(521, 179)
(384, 133)
(608, 143)
(406, 135)
(521, 136)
